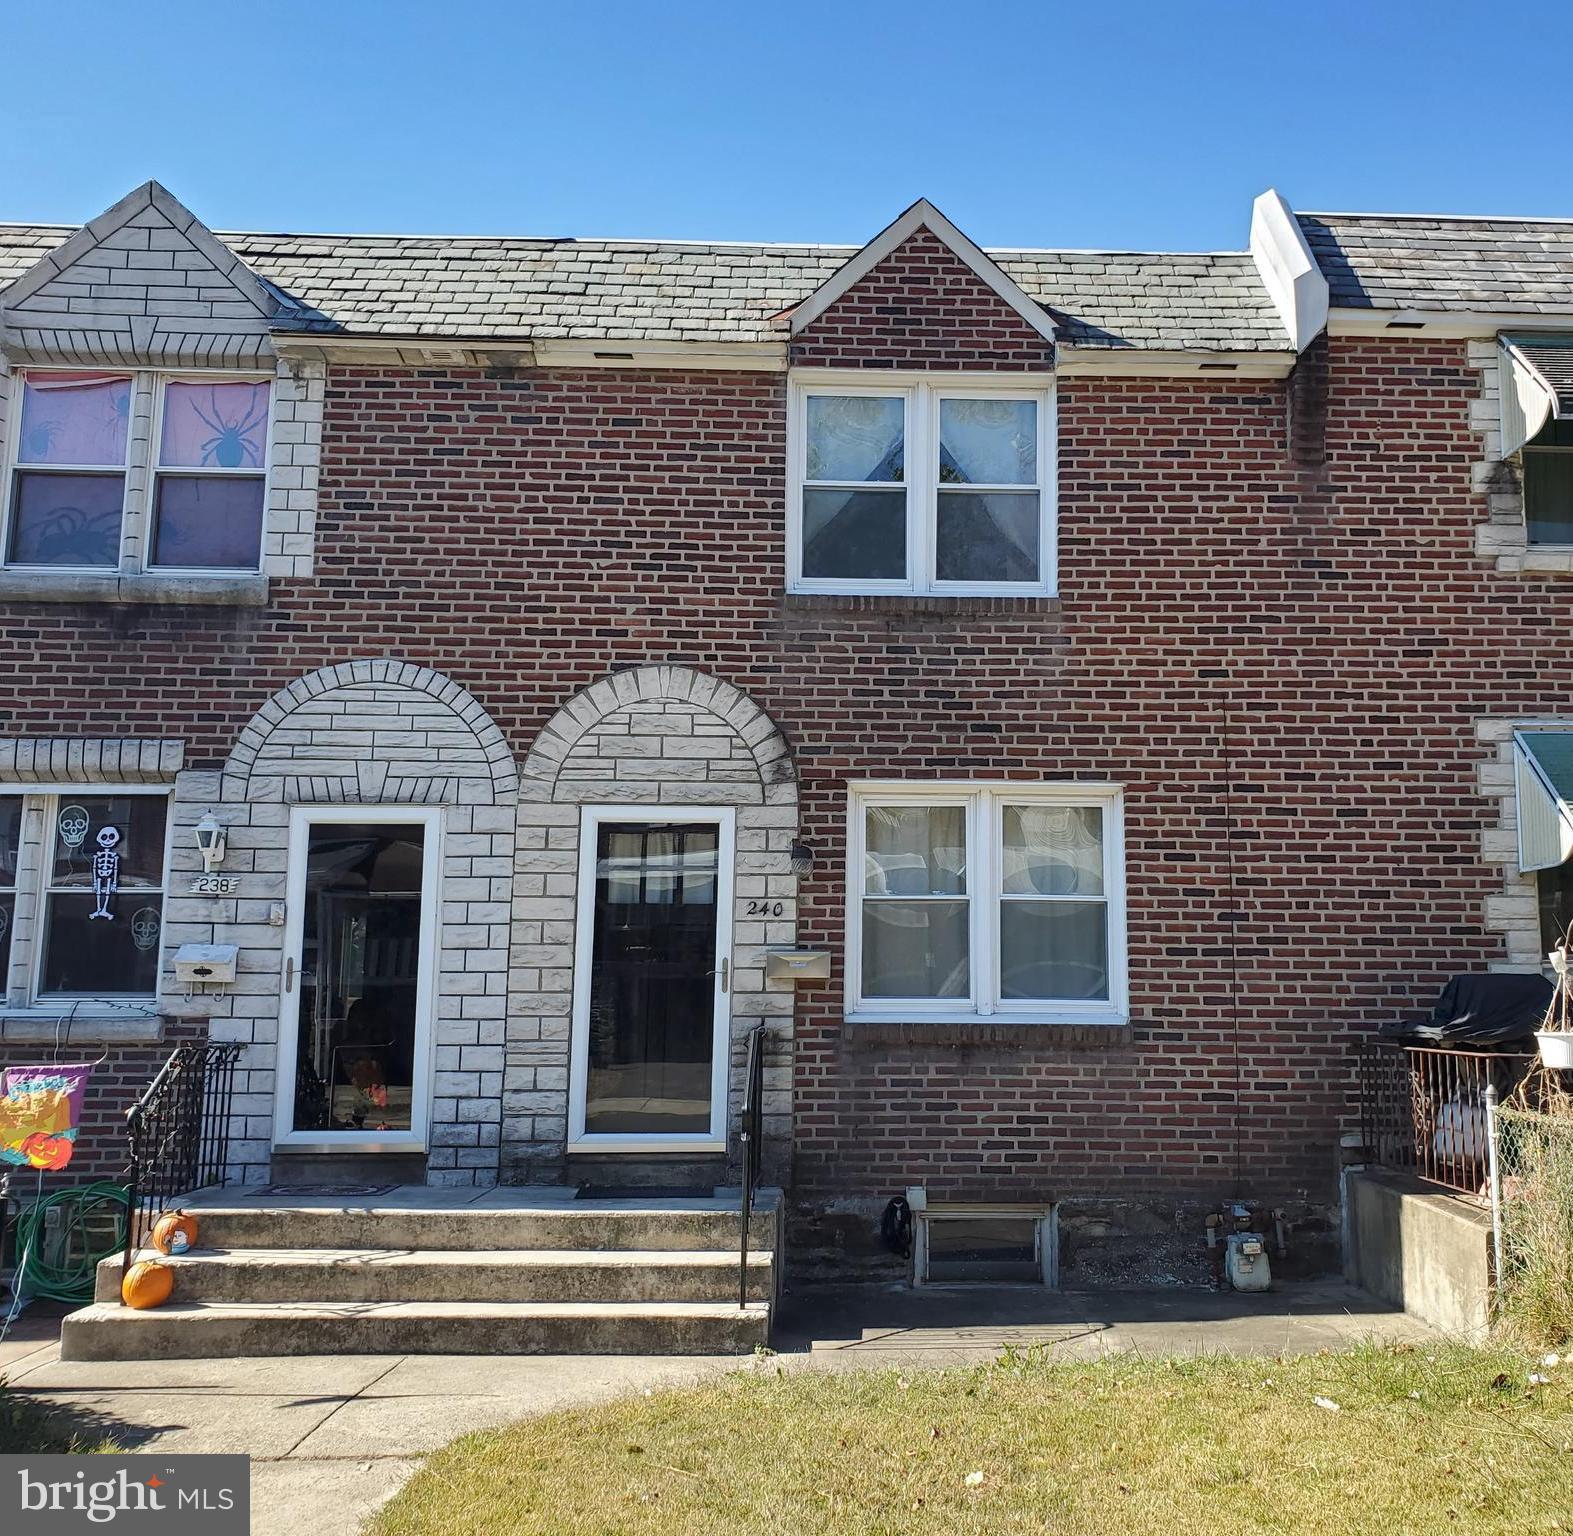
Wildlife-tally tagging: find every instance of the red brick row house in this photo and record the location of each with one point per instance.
(1066, 696)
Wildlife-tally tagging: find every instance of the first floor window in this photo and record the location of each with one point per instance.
(95, 873)
(1554, 888)
(1002, 900)
(921, 485)
(10, 856)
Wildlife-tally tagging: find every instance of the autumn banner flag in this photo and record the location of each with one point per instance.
(40, 1109)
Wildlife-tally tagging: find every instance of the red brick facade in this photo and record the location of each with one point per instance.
(921, 307)
(1281, 659)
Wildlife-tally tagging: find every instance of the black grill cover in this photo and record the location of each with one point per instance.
(1496, 1008)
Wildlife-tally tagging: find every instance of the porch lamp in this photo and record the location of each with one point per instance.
(211, 842)
(802, 857)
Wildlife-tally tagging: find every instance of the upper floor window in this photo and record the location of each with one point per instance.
(68, 490)
(1548, 484)
(81, 466)
(923, 485)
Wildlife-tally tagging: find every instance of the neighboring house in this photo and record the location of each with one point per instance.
(1102, 669)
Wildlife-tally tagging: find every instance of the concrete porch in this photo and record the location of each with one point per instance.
(417, 1269)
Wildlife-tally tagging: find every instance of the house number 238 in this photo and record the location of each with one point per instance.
(766, 908)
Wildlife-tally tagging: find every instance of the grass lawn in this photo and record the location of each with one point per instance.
(27, 1426)
(1420, 1440)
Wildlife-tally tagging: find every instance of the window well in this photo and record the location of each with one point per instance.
(960, 1245)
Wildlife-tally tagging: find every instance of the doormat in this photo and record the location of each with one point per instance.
(644, 1192)
(324, 1189)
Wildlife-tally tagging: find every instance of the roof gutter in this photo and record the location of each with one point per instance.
(1440, 324)
(417, 351)
(1142, 363)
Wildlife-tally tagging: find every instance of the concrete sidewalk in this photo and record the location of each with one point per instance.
(333, 1437)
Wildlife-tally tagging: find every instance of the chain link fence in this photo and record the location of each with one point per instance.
(1535, 1162)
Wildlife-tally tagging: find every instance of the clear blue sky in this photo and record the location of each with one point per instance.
(1105, 124)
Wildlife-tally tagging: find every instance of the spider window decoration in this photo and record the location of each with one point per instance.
(215, 426)
(74, 418)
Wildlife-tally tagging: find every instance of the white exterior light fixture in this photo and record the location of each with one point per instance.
(211, 841)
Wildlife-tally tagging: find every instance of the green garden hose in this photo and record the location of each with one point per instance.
(59, 1257)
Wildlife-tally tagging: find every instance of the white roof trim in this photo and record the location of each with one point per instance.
(1441, 324)
(921, 215)
(1289, 273)
(1137, 362)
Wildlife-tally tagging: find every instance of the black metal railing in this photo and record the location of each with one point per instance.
(751, 1136)
(179, 1133)
(1423, 1110)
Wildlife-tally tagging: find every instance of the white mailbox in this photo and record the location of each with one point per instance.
(205, 964)
(797, 964)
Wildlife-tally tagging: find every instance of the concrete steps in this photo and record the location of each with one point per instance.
(432, 1271)
(583, 1224)
(459, 1274)
(206, 1329)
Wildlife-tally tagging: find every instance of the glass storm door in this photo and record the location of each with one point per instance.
(354, 1063)
(652, 980)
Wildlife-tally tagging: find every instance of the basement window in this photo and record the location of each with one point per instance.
(976, 1245)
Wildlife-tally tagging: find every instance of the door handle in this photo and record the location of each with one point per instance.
(724, 971)
(289, 973)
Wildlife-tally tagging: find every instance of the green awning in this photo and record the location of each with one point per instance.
(1543, 768)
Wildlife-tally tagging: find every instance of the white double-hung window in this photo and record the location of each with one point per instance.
(999, 901)
(934, 484)
(110, 470)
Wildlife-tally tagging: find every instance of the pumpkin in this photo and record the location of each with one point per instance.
(175, 1232)
(43, 1150)
(147, 1284)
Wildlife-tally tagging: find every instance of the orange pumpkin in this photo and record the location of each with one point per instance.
(43, 1150)
(147, 1284)
(174, 1232)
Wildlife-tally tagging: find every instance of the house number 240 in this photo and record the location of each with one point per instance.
(766, 908)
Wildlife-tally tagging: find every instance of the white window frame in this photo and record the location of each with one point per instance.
(14, 467)
(34, 885)
(157, 469)
(922, 394)
(984, 804)
(140, 474)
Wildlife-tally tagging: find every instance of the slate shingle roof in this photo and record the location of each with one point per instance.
(443, 286)
(1380, 261)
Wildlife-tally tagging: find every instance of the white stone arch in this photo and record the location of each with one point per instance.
(565, 732)
(657, 735)
(377, 731)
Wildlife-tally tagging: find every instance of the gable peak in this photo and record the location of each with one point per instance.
(922, 215)
(150, 204)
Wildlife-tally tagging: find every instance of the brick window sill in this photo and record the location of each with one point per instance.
(140, 588)
(1013, 1035)
(904, 602)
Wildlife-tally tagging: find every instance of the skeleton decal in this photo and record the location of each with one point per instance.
(106, 873)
